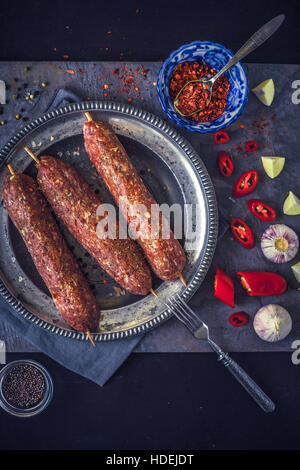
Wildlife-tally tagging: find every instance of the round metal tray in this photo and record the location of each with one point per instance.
(172, 171)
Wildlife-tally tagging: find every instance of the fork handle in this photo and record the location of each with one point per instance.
(243, 378)
(255, 41)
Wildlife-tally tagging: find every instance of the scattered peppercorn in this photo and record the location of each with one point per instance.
(24, 386)
(2, 123)
(17, 116)
(44, 84)
(15, 96)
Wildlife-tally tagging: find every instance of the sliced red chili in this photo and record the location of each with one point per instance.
(251, 146)
(261, 210)
(221, 137)
(225, 164)
(242, 233)
(262, 283)
(245, 184)
(238, 319)
(224, 288)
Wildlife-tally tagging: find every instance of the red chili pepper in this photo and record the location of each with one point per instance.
(238, 319)
(245, 184)
(261, 210)
(251, 146)
(221, 137)
(224, 288)
(225, 164)
(242, 233)
(262, 283)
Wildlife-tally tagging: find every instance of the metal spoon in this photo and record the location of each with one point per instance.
(255, 41)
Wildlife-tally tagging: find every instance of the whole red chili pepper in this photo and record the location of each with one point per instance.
(245, 184)
(261, 210)
(225, 164)
(251, 146)
(262, 283)
(221, 137)
(238, 318)
(242, 233)
(224, 288)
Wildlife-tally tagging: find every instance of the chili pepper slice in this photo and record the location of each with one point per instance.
(245, 184)
(221, 137)
(242, 233)
(261, 210)
(251, 146)
(225, 164)
(262, 283)
(238, 319)
(224, 288)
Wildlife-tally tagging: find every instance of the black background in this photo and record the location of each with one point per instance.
(154, 401)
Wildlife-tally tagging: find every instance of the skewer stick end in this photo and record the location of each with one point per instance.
(32, 155)
(11, 170)
(88, 116)
(90, 337)
(182, 279)
(153, 292)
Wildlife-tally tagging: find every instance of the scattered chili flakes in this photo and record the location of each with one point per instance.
(71, 72)
(65, 56)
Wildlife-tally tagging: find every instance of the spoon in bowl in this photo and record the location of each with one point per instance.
(206, 84)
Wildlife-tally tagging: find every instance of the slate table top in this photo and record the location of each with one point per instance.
(275, 129)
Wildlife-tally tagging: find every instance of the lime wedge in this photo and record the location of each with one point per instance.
(273, 166)
(265, 91)
(296, 271)
(291, 205)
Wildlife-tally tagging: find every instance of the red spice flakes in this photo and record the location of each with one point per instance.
(54, 48)
(71, 72)
(67, 27)
(108, 32)
(65, 56)
(192, 98)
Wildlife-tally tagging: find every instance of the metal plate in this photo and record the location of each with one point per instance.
(171, 170)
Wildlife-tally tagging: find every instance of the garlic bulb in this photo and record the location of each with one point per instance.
(272, 323)
(279, 243)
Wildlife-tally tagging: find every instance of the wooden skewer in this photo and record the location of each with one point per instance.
(182, 279)
(90, 337)
(32, 155)
(153, 292)
(88, 116)
(13, 174)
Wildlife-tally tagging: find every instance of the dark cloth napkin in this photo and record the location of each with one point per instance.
(96, 363)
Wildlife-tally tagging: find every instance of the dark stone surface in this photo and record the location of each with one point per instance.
(163, 401)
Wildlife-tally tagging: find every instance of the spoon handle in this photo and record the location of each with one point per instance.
(255, 41)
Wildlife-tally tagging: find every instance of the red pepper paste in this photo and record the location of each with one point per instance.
(195, 96)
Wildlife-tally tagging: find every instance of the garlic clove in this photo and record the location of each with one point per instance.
(272, 323)
(279, 243)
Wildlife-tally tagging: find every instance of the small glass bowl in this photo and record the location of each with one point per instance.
(216, 55)
(40, 406)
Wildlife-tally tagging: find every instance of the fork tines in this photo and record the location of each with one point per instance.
(185, 314)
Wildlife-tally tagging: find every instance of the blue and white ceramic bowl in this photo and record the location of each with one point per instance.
(217, 56)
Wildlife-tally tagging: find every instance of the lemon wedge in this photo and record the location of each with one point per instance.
(273, 166)
(265, 91)
(291, 205)
(296, 271)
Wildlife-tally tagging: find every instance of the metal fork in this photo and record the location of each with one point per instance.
(200, 330)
